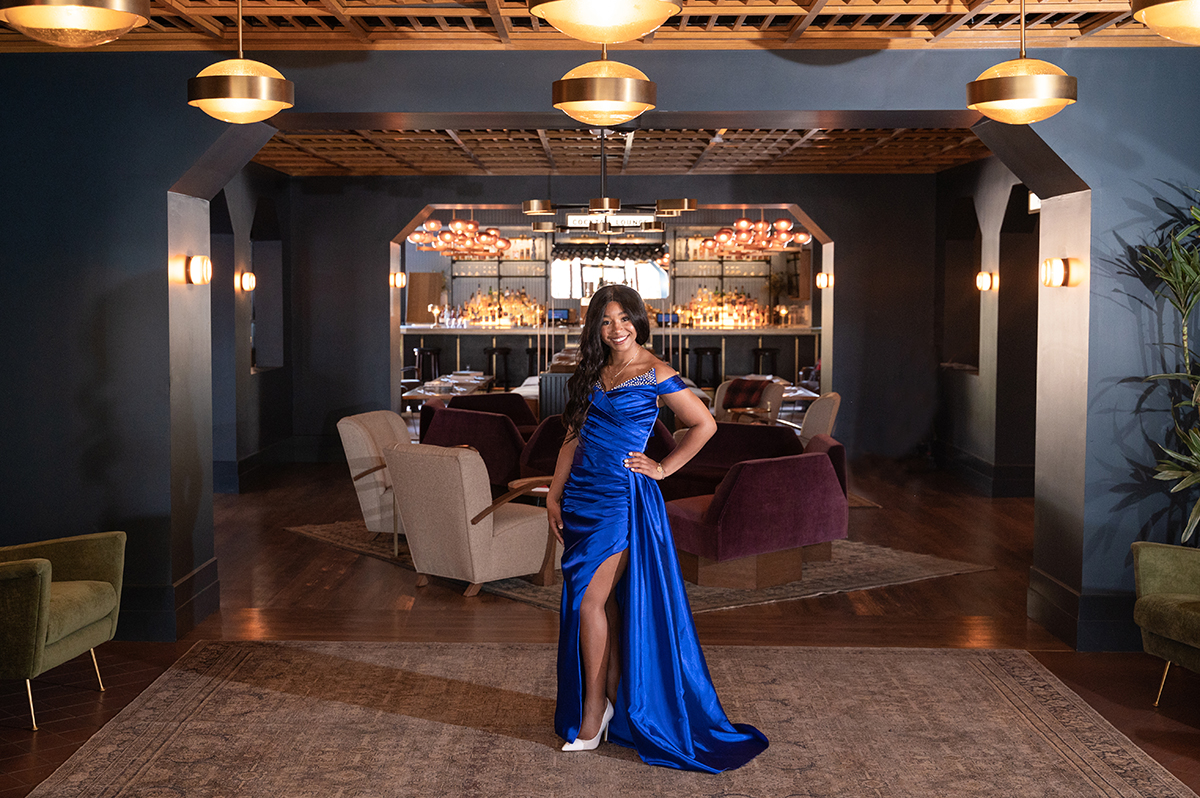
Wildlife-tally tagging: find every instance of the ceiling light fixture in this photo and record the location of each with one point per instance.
(1177, 20)
(604, 93)
(748, 237)
(460, 239)
(608, 22)
(75, 23)
(1023, 90)
(239, 90)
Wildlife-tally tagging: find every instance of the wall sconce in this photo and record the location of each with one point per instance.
(1060, 272)
(987, 281)
(397, 279)
(248, 281)
(824, 280)
(199, 270)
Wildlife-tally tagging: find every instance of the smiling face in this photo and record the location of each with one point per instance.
(617, 330)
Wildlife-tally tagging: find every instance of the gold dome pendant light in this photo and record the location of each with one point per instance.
(604, 93)
(1177, 20)
(75, 23)
(606, 21)
(1021, 91)
(239, 90)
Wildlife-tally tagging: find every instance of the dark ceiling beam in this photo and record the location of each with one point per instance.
(651, 120)
(946, 28)
(628, 150)
(546, 146)
(803, 24)
(388, 148)
(353, 25)
(493, 7)
(467, 150)
(1101, 24)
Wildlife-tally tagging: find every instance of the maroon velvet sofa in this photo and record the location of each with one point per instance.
(493, 435)
(764, 519)
(732, 443)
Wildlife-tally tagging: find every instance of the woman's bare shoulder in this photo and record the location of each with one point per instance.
(663, 371)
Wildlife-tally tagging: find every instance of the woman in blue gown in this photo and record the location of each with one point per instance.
(630, 666)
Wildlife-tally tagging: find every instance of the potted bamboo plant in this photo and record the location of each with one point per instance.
(1175, 263)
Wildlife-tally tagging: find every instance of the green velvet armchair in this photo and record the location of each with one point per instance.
(1168, 604)
(58, 599)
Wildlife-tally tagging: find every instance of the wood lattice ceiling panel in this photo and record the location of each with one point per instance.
(716, 24)
(306, 153)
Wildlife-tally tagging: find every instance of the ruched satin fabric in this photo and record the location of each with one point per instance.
(666, 708)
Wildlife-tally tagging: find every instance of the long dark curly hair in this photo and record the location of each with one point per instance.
(593, 354)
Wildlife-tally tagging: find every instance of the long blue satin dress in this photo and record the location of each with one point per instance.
(667, 709)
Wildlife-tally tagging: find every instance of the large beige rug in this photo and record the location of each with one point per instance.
(855, 566)
(343, 720)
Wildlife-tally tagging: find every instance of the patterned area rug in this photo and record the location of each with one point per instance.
(855, 566)
(367, 720)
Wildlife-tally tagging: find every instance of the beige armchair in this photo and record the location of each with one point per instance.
(821, 417)
(58, 599)
(455, 530)
(766, 409)
(364, 437)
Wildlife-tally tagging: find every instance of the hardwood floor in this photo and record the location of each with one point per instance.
(278, 585)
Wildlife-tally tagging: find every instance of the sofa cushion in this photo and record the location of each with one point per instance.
(74, 605)
(691, 532)
(1172, 615)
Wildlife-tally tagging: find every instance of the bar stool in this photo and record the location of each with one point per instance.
(495, 361)
(532, 368)
(429, 363)
(712, 356)
(766, 359)
(676, 353)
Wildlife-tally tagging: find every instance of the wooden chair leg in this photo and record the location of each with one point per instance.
(96, 665)
(1163, 683)
(29, 692)
(472, 589)
(422, 580)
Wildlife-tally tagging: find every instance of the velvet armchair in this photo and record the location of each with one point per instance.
(505, 403)
(494, 436)
(765, 518)
(58, 599)
(730, 444)
(1168, 604)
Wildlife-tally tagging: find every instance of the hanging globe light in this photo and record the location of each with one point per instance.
(75, 23)
(1023, 90)
(604, 93)
(239, 90)
(1177, 20)
(607, 21)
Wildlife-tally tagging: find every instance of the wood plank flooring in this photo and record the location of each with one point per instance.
(276, 585)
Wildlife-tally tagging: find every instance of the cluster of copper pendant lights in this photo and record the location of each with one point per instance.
(602, 92)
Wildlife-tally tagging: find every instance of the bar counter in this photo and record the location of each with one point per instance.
(530, 349)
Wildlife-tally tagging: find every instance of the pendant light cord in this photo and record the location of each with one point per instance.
(603, 164)
(239, 24)
(1022, 27)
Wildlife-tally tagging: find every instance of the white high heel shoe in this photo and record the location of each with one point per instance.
(588, 745)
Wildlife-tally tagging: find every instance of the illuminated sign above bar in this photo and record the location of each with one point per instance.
(614, 219)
